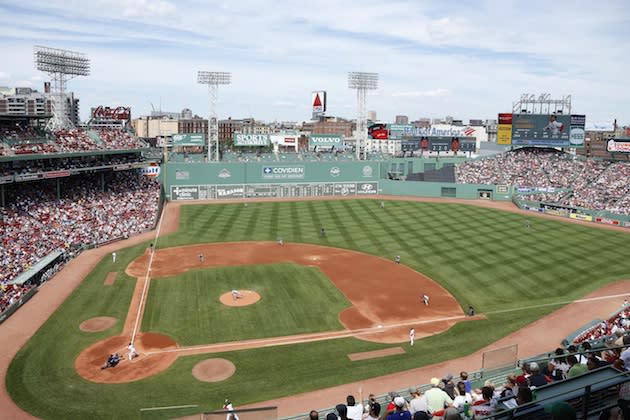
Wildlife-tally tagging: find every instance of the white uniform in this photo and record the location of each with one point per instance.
(230, 408)
(425, 299)
(131, 351)
(236, 294)
(412, 336)
(113, 257)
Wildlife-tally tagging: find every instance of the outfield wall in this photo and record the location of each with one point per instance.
(578, 213)
(203, 181)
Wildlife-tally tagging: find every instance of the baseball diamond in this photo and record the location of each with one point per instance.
(322, 298)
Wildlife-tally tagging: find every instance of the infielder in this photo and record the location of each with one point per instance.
(201, 258)
(412, 336)
(425, 300)
(397, 259)
(280, 241)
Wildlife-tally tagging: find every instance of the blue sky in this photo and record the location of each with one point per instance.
(468, 59)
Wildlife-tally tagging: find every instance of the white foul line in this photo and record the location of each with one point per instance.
(146, 276)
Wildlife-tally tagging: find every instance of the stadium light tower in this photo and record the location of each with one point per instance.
(61, 65)
(213, 79)
(362, 82)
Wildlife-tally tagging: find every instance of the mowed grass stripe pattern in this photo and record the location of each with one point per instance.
(485, 257)
(294, 300)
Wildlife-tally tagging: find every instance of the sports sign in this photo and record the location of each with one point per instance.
(577, 134)
(283, 172)
(107, 113)
(188, 140)
(541, 130)
(618, 145)
(325, 141)
(251, 139)
(318, 102)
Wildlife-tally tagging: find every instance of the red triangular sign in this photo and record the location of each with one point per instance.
(317, 101)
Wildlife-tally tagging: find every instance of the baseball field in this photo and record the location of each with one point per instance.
(323, 296)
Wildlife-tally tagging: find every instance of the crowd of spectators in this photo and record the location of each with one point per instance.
(607, 328)
(36, 222)
(583, 183)
(119, 139)
(459, 398)
(67, 163)
(19, 141)
(607, 192)
(11, 293)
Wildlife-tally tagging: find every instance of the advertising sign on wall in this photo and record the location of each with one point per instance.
(251, 139)
(325, 141)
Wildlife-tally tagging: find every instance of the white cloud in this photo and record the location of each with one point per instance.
(424, 93)
(471, 60)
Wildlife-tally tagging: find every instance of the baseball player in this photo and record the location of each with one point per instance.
(382, 204)
(131, 351)
(397, 259)
(201, 258)
(236, 294)
(322, 232)
(113, 256)
(425, 300)
(231, 415)
(412, 336)
(280, 241)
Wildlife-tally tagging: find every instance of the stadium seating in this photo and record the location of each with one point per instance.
(36, 222)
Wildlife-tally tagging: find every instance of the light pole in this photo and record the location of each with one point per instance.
(213, 79)
(362, 82)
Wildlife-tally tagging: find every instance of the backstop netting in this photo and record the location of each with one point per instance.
(500, 358)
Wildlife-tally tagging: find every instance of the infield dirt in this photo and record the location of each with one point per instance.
(541, 335)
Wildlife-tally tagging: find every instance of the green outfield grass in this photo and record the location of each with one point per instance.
(483, 257)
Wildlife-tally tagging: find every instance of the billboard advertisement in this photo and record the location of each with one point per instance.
(577, 134)
(107, 113)
(378, 132)
(327, 141)
(504, 134)
(541, 130)
(618, 145)
(318, 102)
(505, 119)
(398, 131)
(251, 139)
(188, 140)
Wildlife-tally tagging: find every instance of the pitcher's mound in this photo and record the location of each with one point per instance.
(213, 370)
(247, 297)
(100, 323)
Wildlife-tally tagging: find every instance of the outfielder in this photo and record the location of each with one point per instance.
(114, 256)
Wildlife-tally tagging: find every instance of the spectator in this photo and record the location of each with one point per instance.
(355, 411)
(436, 398)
